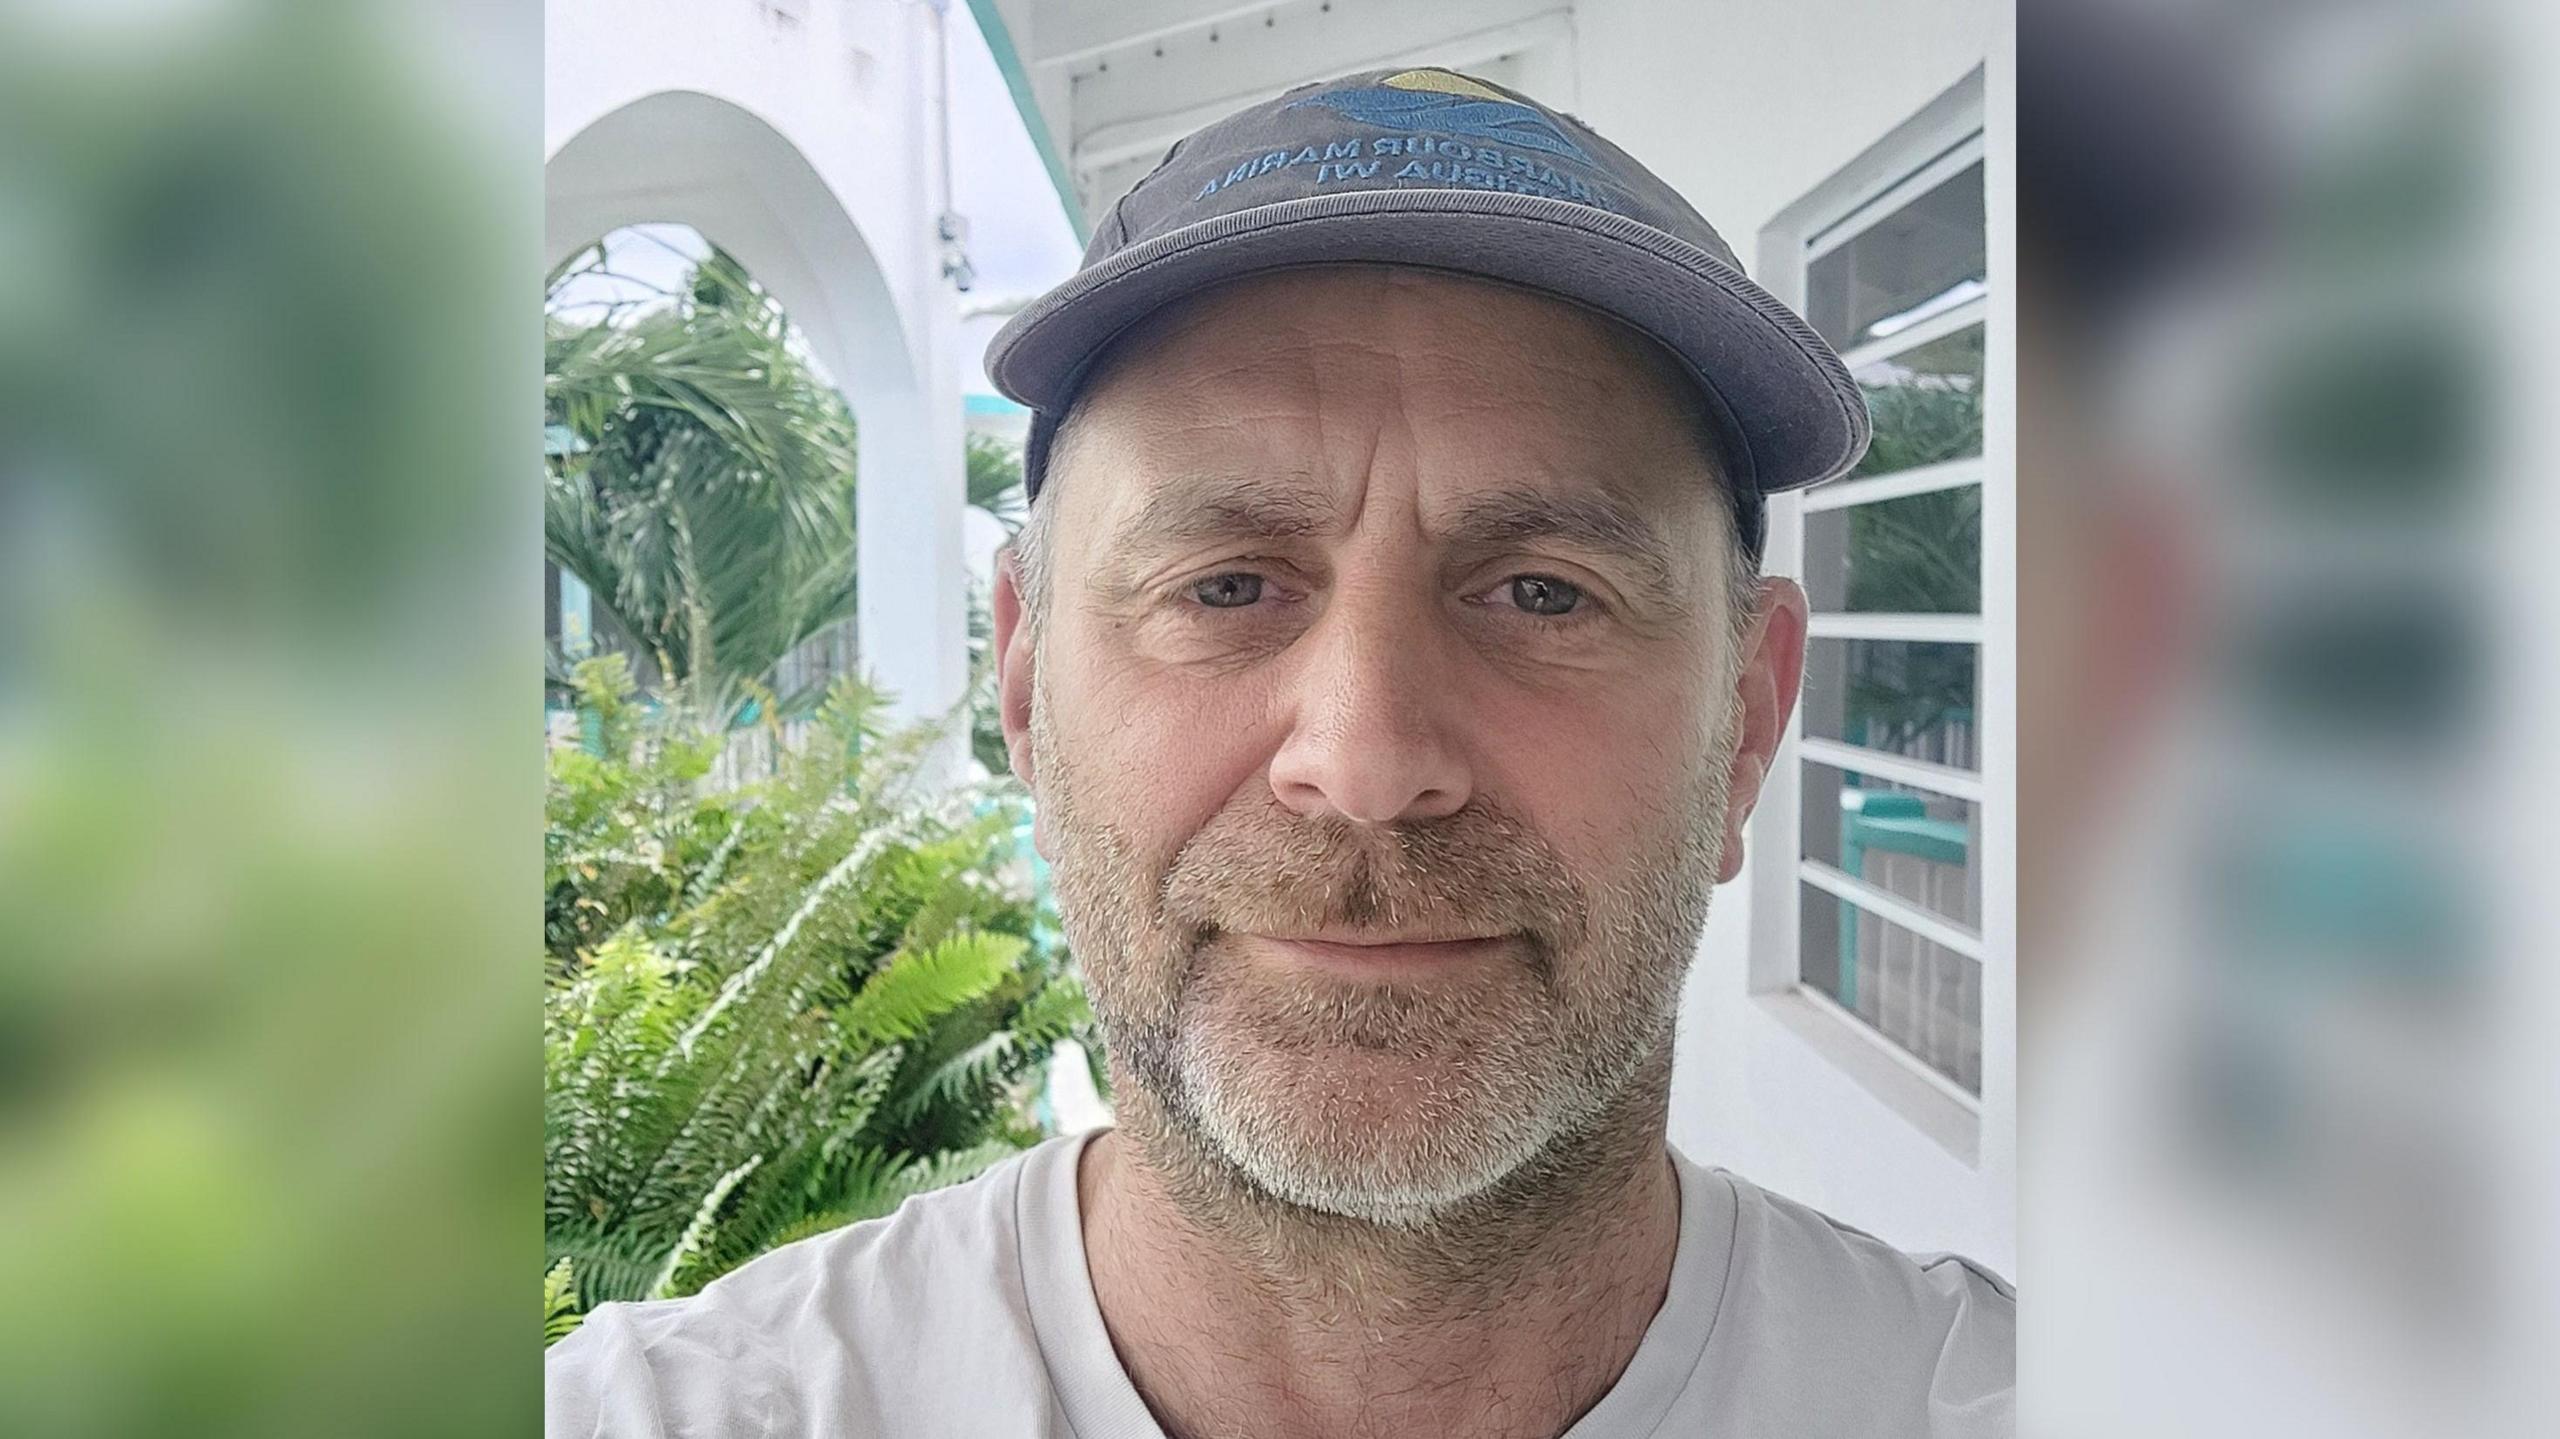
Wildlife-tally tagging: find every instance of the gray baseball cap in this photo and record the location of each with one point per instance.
(1431, 168)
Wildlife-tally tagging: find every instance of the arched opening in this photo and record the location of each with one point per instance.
(699, 161)
(699, 502)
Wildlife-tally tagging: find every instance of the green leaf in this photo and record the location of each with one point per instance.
(917, 987)
(708, 502)
(560, 1313)
(699, 1230)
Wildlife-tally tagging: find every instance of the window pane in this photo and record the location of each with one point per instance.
(1922, 996)
(1917, 846)
(1921, 554)
(1926, 403)
(1923, 259)
(1902, 697)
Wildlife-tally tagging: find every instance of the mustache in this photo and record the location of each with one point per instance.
(1269, 869)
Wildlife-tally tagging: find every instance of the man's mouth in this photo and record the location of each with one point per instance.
(1376, 953)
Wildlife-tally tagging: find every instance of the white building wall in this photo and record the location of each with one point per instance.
(1746, 107)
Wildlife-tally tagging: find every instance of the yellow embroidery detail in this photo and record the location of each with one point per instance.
(1445, 83)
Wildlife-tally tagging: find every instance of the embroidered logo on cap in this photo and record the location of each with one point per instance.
(1414, 122)
(1451, 104)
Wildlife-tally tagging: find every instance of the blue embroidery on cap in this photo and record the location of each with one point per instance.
(1431, 108)
(1505, 121)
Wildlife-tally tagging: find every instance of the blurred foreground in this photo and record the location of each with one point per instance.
(270, 774)
(2285, 573)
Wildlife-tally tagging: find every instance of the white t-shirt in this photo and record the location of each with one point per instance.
(970, 1312)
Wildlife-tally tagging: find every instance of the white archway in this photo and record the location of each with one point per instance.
(716, 165)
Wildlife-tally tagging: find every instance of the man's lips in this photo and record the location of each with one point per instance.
(1381, 954)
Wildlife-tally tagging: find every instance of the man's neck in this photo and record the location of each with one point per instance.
(1238, 1315)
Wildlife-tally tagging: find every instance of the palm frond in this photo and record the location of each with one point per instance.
(708, 504)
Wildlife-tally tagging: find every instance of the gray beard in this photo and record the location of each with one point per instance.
(1543, 1077)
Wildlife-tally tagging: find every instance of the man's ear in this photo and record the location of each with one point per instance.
(1013, 667)
(1765, 686)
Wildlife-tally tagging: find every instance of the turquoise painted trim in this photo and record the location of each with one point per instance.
(991, 405)
(1886, 820)
(1018, 80)
(1939, 841)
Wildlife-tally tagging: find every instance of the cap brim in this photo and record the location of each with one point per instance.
(1794, 414)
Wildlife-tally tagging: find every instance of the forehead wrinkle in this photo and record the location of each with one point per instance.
(1545, 363)
(1256, 384)
(1570, 388)
(1255, 394)
(1198, 349)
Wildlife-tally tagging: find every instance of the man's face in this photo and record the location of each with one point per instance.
(1388, 606)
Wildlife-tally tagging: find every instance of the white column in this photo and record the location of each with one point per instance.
(912, 487)
(908, 497)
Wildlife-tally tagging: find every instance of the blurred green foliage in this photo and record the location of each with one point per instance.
(268, 807)
(1930, 416)
(776, 1010)
(1919, 554)
(994, 469)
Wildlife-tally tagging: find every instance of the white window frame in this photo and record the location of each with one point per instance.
(1948, 134)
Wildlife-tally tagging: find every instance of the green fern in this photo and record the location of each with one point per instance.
(690, 1242)
(560, 1312)
(1059, 1010)
(773, 1011)
(954, 1167)
(951, 1081)
(889, 1187)
(917, 987)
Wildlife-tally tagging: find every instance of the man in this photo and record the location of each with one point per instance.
(1388, 659)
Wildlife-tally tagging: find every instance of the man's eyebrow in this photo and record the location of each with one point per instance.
(1595, 521)
(1233, 507)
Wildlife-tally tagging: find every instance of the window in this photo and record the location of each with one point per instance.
(1868, 900)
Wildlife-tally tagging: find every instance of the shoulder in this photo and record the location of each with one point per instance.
(851, 1326)
(1932, 1336)
(1815, 1245)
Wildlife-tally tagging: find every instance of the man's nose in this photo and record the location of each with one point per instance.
(1373, 737)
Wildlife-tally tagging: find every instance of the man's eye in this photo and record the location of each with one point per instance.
(1228, 592)
(1542, 595)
